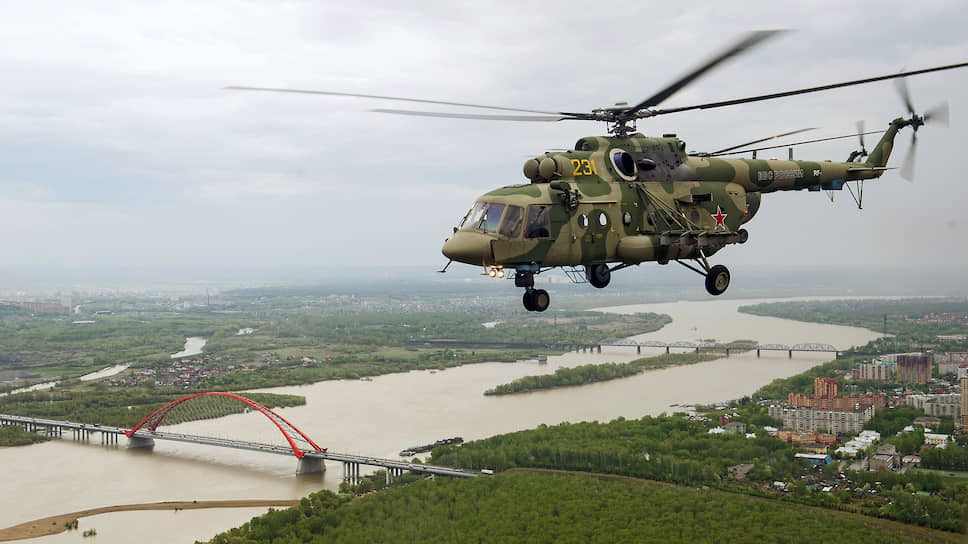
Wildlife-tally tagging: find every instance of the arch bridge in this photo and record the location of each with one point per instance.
(309, 455)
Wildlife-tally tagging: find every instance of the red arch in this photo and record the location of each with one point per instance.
(287, 429)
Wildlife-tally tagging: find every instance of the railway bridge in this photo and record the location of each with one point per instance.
(667, 345)
(719, 346)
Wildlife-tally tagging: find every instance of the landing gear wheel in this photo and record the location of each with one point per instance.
(717, 279)
(598, 275)
(528, 300)
(540, 300)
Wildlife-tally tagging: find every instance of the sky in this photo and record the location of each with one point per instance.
(119, 147)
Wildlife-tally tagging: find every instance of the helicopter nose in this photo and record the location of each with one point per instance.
(468, 247)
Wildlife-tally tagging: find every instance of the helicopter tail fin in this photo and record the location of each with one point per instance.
(882, 151)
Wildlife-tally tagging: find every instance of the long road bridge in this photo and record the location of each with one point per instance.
(310, 457)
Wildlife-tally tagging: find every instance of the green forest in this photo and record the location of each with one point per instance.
(547, 507)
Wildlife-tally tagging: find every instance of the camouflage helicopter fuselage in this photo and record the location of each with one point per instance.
(621, 201)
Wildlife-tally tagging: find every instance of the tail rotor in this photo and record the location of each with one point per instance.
(937, 114)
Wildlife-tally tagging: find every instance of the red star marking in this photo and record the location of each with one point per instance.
(720, 218)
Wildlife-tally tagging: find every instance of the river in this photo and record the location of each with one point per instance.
(381, 417)
(193, 346)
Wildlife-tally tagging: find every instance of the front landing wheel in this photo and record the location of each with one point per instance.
(536, 300)
(598, 275)
(717, 279)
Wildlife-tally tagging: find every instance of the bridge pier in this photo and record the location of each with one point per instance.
(138, 442)
(351, 472)
(757, 353)
(599, 348)
(727, 352)
(790, 354)
(310, 465)
(393, 474)
(638, 350)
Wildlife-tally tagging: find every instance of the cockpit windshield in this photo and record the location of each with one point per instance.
(473, 218)
(492, 217)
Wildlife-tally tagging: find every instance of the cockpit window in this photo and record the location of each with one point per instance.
(492, 217)
(511, 227)
(539, 223)
(473, 217)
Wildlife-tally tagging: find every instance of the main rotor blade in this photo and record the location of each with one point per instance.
(748, 41)
(771, 96)
(762, 140)
(902, 89)
(737, 152)
(381, 97)
(495, 117)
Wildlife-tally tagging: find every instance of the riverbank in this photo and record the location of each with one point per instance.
(53, 525)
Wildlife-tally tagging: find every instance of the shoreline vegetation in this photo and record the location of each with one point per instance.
(592, 373)
(12, 435)
(53, 525)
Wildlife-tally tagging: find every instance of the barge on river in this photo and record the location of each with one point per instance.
(414, 450)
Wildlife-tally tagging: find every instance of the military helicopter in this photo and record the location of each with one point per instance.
(620, 200)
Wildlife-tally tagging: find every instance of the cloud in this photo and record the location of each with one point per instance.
(118, 144)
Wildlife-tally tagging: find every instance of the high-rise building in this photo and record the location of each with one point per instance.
(826, 397)
(825, 387)
(832, 421)
(913, 368)
(876, 371)
(849, 402)
(950, 362)
(937, 405)
(964, 403)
